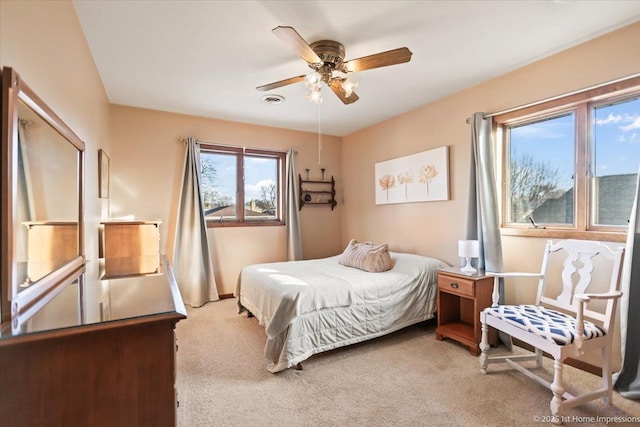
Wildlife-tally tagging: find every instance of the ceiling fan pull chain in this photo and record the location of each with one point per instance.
(319, 139)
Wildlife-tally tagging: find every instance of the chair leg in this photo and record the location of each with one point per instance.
(539, 359)
(484, 346)
(558, 390)
(606, 375)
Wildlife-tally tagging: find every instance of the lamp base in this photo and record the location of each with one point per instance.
(468, 269)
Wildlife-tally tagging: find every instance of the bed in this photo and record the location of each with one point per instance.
(312, 306)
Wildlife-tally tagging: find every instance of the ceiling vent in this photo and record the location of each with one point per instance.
(273, 99)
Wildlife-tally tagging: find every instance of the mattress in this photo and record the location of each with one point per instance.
(312, 306)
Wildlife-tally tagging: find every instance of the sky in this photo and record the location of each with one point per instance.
(617, 137)
(258, 172)
(616, 132)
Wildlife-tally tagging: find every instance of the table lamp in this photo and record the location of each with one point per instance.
(468, 249)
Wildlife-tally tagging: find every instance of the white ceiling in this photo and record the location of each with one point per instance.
(205, 58)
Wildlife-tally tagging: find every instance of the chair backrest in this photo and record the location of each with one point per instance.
(577, 274)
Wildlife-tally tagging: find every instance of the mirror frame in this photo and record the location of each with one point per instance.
(12, 302)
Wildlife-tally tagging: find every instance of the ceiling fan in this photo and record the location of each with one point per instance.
(326, 59)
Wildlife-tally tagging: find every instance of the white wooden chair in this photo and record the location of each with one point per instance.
(563, 326)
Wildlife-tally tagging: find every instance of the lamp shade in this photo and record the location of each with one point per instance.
(468, 248)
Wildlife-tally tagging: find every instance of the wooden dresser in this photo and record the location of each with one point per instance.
(100, 353)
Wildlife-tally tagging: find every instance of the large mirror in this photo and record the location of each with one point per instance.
(42, 167)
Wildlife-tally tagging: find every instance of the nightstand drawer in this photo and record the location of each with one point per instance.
(456, 285)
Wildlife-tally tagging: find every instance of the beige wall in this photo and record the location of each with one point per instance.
(434, 228)
(146, 166)
(44, 43)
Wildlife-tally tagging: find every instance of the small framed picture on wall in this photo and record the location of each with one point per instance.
(103, 175)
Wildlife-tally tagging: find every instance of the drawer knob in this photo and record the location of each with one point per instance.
(454, 285)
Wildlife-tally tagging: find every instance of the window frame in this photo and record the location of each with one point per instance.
(506, 143)
(582, 104)
(240, 153)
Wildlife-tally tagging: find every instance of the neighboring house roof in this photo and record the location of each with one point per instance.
(555, 211)
(613, 198)
(220, 210)
(226, 211)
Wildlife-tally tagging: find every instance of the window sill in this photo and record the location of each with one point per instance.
(549, 233)
(216, 224)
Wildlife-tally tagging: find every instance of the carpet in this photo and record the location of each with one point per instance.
(406, 378)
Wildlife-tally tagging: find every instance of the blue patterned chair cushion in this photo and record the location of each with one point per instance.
(546, 323)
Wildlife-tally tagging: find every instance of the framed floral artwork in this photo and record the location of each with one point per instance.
(420, 177)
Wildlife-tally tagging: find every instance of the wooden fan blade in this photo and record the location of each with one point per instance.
(281, 83)
(291, 38)
(382, 59)
(336, 87)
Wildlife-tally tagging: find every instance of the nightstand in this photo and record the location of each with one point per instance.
(461, 298)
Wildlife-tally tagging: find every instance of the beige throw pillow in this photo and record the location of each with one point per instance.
(366, 256)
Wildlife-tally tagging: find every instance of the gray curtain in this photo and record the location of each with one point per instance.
(192, 263)
(627, 381)
(294, 239)
(483, 223)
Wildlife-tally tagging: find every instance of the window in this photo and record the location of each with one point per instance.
(616, 145)
(541, 158)
(570, 165)
(234, 177)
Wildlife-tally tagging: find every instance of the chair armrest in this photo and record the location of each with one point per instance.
(495, 296)
(589, 297)
(584, 299)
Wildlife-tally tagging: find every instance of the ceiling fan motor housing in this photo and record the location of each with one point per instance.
(331, 52)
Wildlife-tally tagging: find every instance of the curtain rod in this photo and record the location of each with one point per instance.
(184, 141)
(553, 98)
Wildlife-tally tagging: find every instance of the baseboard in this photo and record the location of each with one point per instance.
(578, 364)
(225, 296)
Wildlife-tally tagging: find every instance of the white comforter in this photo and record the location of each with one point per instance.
(317, 305)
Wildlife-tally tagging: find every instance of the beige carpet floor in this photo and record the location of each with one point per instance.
(407, 378)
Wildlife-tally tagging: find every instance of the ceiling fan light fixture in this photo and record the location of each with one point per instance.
(313, 80)
(348, 87)
(315, 96)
